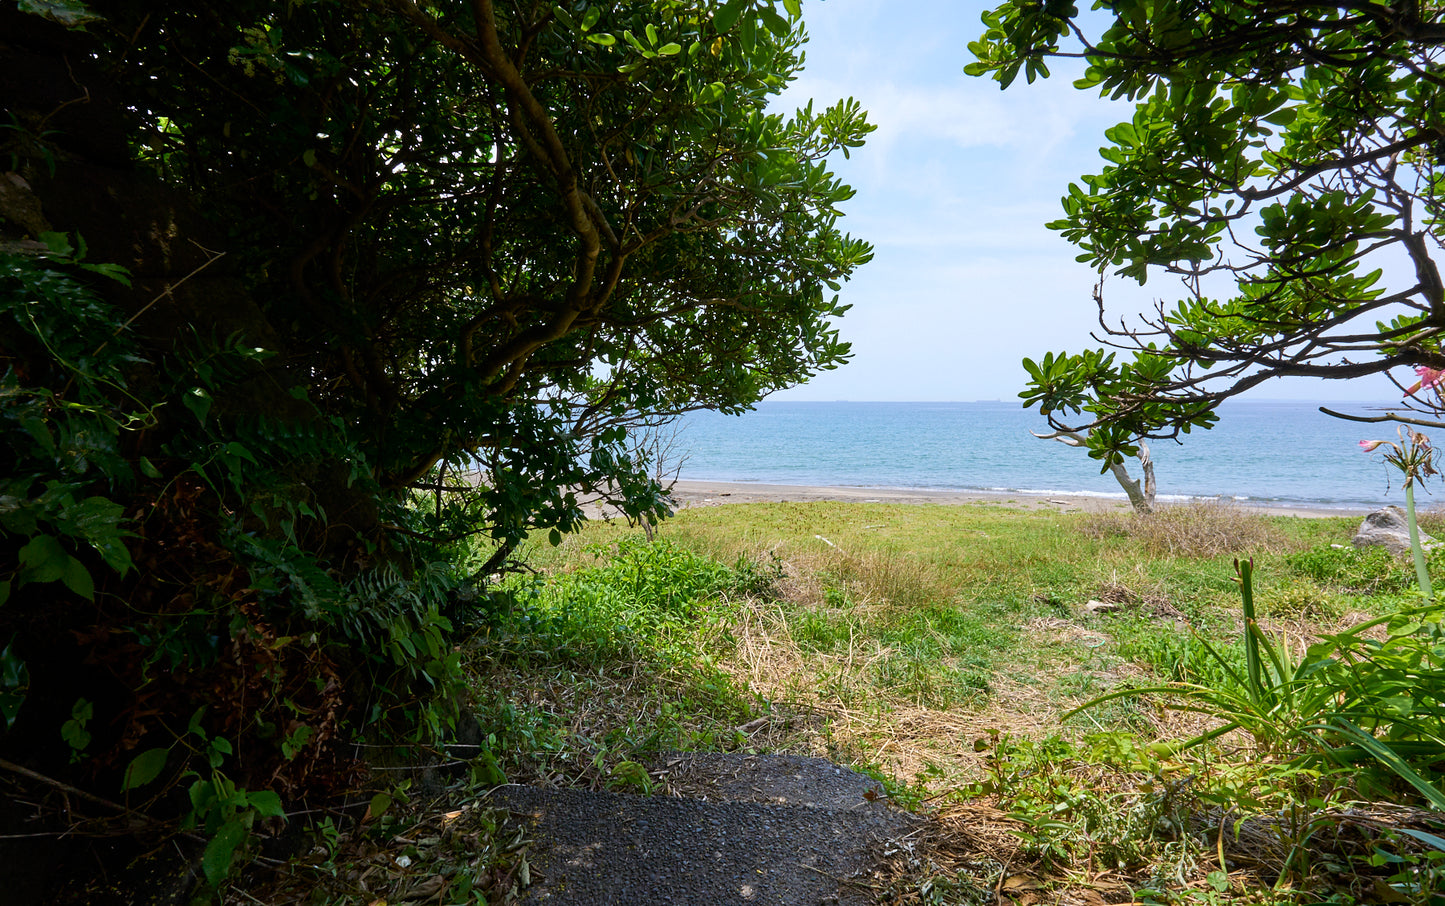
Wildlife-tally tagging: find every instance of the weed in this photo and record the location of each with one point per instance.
(1366, 571)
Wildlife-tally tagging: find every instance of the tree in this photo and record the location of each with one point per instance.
(360, 249)
(491, 212)
(1140, 491)
(1284, 162)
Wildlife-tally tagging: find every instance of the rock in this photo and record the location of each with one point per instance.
(1387, 528)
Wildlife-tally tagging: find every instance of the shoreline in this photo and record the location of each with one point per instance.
(691, 493)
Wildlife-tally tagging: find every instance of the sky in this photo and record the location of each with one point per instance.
(953, 190)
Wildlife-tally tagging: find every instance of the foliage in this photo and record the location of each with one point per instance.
(1346, 688)
(1283, 161)
(1416, 460)
(351, 299)
(172, 606)
(638, 603)
(996, 589)
(1059, 793)
(1356, 716)
(1365, 571)
(588, 672)
(517, 245)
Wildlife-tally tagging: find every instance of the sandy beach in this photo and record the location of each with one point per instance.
(719, 493)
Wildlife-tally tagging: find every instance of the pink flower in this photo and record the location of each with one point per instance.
(1429, 377)
(1369, 446)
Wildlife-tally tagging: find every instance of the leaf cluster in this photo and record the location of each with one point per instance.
(1282, 163)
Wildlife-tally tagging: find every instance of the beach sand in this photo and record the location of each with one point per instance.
(718, 493)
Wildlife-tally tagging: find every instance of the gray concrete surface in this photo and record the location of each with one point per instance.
(779, 830)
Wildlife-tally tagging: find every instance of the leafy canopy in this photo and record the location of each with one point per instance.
(504, 232)
(1284, 162)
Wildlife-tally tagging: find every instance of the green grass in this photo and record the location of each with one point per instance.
(885, 609)
(946, 648)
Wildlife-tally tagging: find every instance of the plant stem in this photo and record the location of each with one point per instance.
(1420, 572)
(1245, 568)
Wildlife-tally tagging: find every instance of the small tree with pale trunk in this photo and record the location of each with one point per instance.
(1140, 490)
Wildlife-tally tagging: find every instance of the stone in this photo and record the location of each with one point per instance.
(1387, 528)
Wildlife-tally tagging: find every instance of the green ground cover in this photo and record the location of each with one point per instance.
(1078, 699)
(948, 650)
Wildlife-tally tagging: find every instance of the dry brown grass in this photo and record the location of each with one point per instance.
(1199, 528)
(1432, 519)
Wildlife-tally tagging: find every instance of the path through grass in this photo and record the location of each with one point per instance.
(942, 648)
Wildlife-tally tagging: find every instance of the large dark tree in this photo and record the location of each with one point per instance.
(1285, 161)
(310, 312)
(490, 232)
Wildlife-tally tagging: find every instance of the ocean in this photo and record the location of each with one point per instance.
(1261, 452)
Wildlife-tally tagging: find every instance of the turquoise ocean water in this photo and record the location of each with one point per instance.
(1265, 453)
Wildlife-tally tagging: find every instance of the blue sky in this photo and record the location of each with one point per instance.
(953, 190)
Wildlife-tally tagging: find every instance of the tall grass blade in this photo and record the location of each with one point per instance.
(1245, 568)
(1392, 760)
(1427, 839)
(1415, 551)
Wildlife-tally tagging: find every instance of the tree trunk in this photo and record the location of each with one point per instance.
(1139, 491)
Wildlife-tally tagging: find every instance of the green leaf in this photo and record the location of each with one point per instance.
(775, 23)
(45, 558)
(194, 728)
(1283, 117)
(561, 13)
(726, 17)
(711, 93)
(70, 13)
(266, 803)
(237, 449)
(198, 401)
(1426, 838)
(221, 851)
(14, 684)
(669, 49)
(144, 768)
(379, 804)
(1392, 760)
(58, 243)
(602, 38)
(794, 7)
(77, 578)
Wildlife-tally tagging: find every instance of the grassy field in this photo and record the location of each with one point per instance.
(946, 650)
(1077, 699)
(896, 635)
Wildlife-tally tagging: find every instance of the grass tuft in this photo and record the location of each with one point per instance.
(1198, 528)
